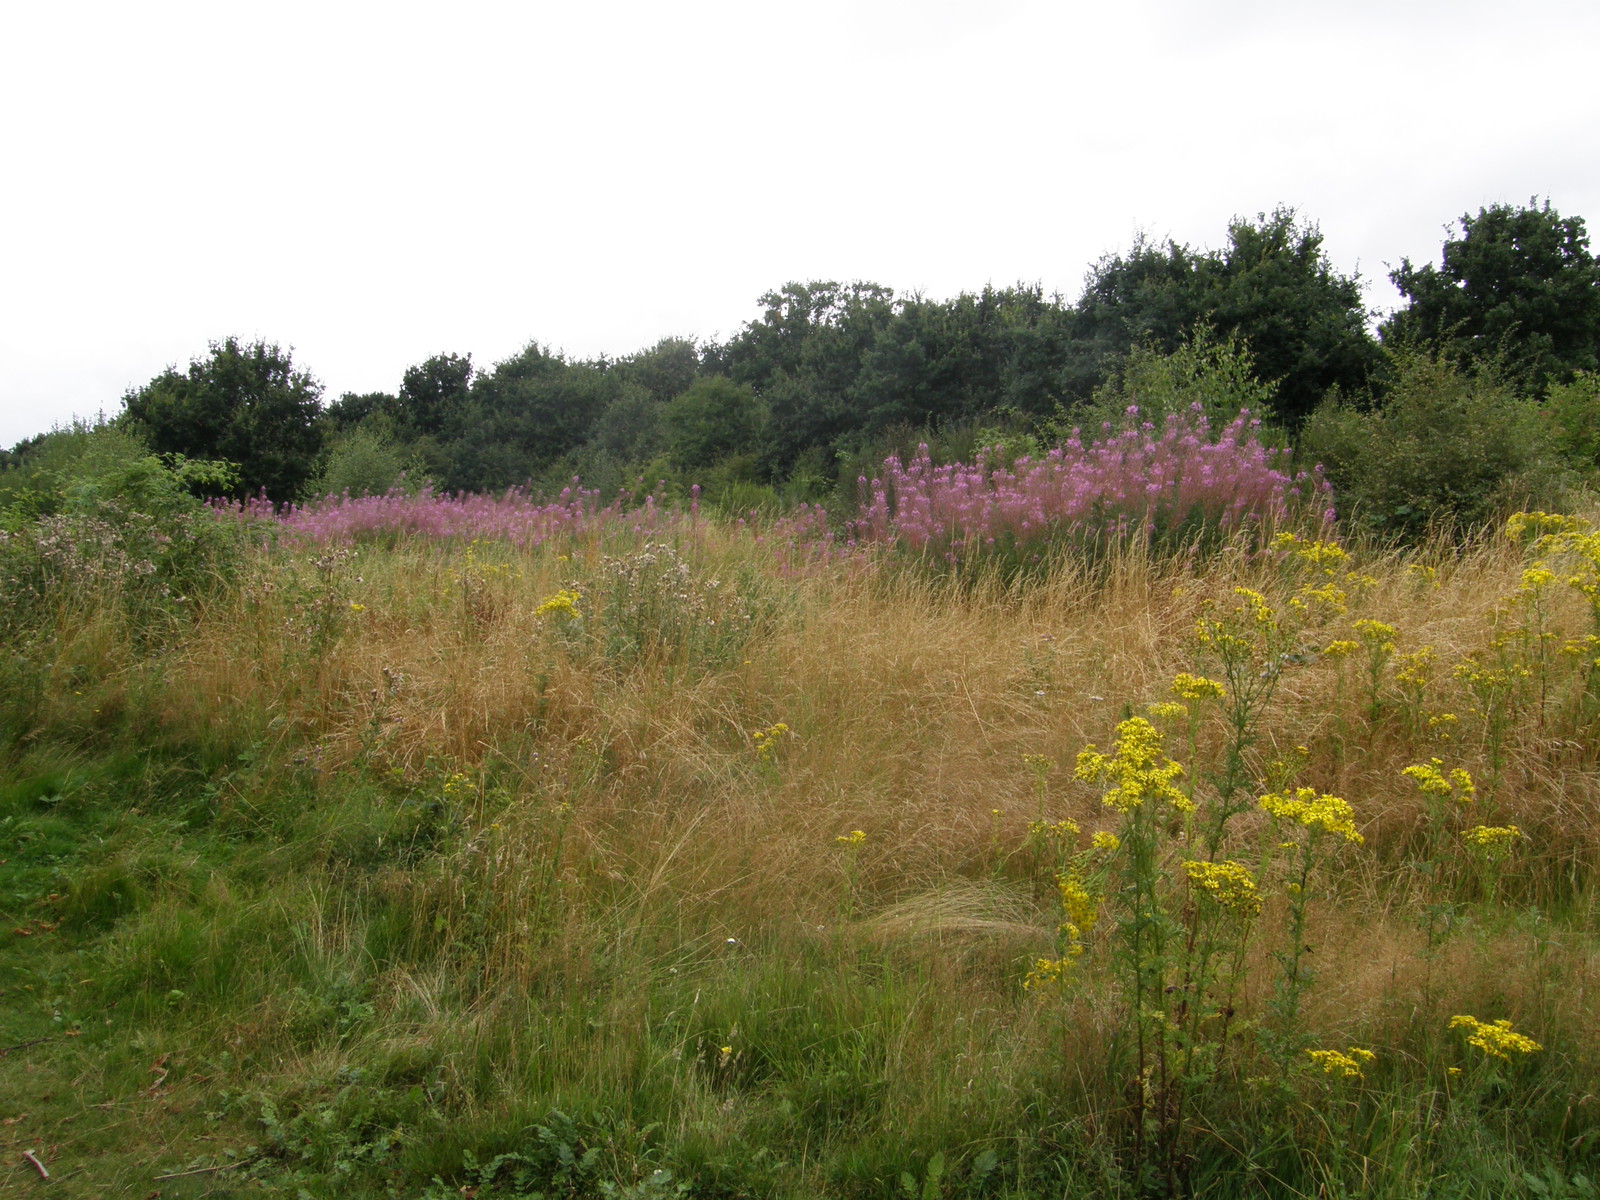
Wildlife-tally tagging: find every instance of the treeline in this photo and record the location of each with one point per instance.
(1490, 362)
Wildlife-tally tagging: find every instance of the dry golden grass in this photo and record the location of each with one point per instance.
(603, 879)
(910, 703)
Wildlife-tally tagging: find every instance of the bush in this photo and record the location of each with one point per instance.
(1219, 376)
(1572, 413)
(1448, 448)
(364, 462)
(89, 515)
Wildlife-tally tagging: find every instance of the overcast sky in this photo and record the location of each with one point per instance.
(374, 183)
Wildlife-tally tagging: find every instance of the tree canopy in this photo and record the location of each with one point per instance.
(246, 404)
(1517, 284)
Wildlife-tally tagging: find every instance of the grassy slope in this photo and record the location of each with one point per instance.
(379, 867)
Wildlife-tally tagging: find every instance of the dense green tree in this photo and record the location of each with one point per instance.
(352, 408)
(244, 403)
(1517, 284)
(433, 395)
(1273, 285)
(803, 357)
(631, 428)
(715, 419)
(663, 372)
(523, 416)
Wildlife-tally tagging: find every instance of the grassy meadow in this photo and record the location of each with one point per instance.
(687, 862)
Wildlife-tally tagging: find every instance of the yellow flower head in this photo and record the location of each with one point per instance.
(1058, 831)
(1105, 843)
(1080, 908)
(1229, 885)
(1167, 710)
(1534, 579)
(1138, 770)
(1341, 649)
(1345, 1066)
(1330, 596)
(1256, 606)
(1496, 1040)
(1433, 780)
(1196, 687)
(1493, 842)
(563, 604)
(1523, 525)
(1377, 636)
(1424, 573)
(854, 838)
(768, 739)
(1316, 813)
(1046, 971)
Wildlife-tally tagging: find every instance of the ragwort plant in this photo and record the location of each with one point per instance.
(1183, 927)
(1183, 915)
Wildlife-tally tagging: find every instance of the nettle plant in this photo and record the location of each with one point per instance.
(1175, 896)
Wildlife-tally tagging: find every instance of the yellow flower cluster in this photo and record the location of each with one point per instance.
(1535, 579)
(1323, 812)
(1341, 649)
(1433, 781)
(1080, 908)
(1106, 843)
(1255, 605)
(1046, 971)
(1319, 554)
(458, 786)
(854, 838)
(1196, 687)
(1415, 670)
(1487, 680)
(1586, 647)
(1329, 596)
(1375, 635)
(1522, 525)
(563, 604)
(1138, 770)
(1494, 842)
(767, 740)
(1496, 1040)
(1167, 710)
(1040, 764)
(1058, 831)
(1336, 1062)
(1229, 885)
(1250, 622)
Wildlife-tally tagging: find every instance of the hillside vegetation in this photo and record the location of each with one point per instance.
(667, 854)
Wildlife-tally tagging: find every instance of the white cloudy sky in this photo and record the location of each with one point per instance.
(373, 183)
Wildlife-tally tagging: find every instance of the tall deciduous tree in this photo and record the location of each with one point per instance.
(244, 403)
(1518, 284)
(1273, 285)
(433, 395)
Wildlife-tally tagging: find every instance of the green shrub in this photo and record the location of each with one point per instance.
(1447, 447)
(1220, 376)
(90, 515)
(363, 462)
(1572, 414)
